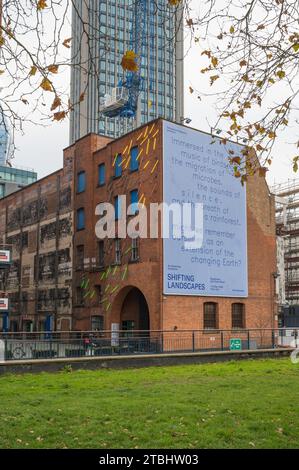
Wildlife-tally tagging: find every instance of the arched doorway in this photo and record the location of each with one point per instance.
(134, 313)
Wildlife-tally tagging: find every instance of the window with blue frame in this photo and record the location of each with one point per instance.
(101, 174)
(117, 167)
(134, 201)
(80, 219)
(134, 163)
(81, 182)
(117, 207)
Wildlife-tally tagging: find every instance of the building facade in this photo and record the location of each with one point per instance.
(99, 50)
(63, 271)
(36, 225)
(287, 227)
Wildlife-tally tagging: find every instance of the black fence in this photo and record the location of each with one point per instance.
(50, 345)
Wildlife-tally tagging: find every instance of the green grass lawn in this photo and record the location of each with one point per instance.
(247, 404)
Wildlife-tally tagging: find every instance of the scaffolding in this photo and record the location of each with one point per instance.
(287, 228)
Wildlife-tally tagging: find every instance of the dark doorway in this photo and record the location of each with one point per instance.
(135, 312)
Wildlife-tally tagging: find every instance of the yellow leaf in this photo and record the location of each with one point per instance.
(214, 61)
(46, 85)
(174, 2)
(232, 30)
(281, 74)
(1, 72)
(271, 135)
(56, 103)
(296, 47)
(42, 4)
(128, 61)
(53, 68)
(33, 71)
(247, 105)
(214, 78)
(2, 40)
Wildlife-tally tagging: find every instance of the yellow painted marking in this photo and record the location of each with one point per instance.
(139, 137)
(114, 161)
(146, 131)
(139, 154)
(108, 306)
(155, 144)
(146, 165)
(148, 146)
(156, 133)
(152, 128)
(155, 166)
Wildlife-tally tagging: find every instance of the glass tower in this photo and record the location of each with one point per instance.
(99, 50)
(4, 139)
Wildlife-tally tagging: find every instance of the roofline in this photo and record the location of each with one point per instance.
(30, 185)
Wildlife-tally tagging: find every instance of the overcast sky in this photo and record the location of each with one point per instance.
(41, 148)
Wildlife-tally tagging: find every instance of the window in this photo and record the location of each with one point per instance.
(101, 253)
(238, 315)
(134, 201)
(81, 182)
(117, 207)
(80, 256)
(97, 323)
(101, 174)
(135, 251)
(210, 315)
(134, 163)
(80, 219)
(117, 251)
(117, 166)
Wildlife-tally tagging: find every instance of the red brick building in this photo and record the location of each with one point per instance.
(120, 281)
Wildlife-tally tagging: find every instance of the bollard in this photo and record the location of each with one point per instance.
(2, 350)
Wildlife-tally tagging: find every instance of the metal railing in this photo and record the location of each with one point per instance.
(51, 345)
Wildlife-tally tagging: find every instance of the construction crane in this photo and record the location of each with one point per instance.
(123, 101)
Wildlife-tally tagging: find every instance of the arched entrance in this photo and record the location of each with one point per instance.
(134, 314)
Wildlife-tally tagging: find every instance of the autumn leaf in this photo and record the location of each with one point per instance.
(1, 72)
(281, 74)
(66, 43)
(53, 68)
(296, 47)
(214, 78)
(214, 61)
(46, 85)
(236, 160)
(56, 103)
(42, 4)
(2, 40)
(33, 71)
(271, 135)
(174, 2)
(59, 116)
(25, 101)
(128, 61)
(262, 171)
(82, 96)
(232, 30)
(191, 89)
(243, 63)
